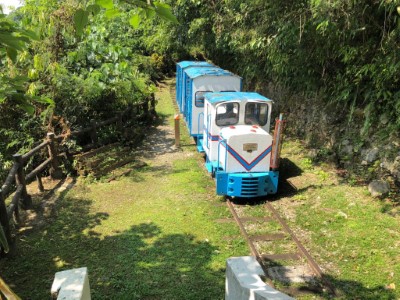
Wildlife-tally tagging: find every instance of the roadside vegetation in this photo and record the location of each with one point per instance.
(150, 234)
(331, 66)
(65, 63)
(155, 233)
(343, 52)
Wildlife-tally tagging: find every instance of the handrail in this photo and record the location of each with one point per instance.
(14, 202)
(33, 151)
(5, 188)
(37, 170)
(16, 179)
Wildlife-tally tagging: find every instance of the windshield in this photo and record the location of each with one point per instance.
(256, 114)
(227, 114)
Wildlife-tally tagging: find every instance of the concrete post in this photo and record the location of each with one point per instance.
(71, 284)
(243, 281)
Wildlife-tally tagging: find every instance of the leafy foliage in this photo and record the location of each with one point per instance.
(346, 51)
(80, 61)
(12, 40)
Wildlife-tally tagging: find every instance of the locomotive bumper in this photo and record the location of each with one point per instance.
(247, 185)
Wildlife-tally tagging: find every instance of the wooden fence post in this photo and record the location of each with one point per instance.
(153, 105)
(20, 180)
(177, 131)
(127, 118)
(146, 108)
(55, 170)
(40, 183)
(120, 124)
(93, 131)
(132, 113)
(4, 218)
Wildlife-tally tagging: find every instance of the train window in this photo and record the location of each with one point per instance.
(199, 98)
(227, 114)
(256, 114)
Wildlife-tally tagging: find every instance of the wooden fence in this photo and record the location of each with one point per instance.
(17, 180)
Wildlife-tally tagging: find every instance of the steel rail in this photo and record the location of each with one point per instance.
(253, 250)
(314, 266)
(260, 257)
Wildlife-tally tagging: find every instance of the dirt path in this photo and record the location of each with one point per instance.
(157, 148)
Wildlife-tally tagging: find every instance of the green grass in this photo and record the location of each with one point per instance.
(346, 230)
(154, 233)
(149, 235)
(166, 111)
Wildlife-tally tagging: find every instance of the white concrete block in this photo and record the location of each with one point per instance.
(243, 281)
(71, 285)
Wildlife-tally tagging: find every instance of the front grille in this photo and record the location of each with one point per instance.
(249, 186)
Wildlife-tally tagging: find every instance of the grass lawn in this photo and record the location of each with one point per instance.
(153, 234)
(354, 237)
(149, 235)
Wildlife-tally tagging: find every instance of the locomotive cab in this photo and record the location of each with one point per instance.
(238, 144)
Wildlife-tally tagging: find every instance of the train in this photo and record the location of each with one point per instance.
(232, 128)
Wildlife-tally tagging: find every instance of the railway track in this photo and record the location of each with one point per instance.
(287, 264)
(278, 266)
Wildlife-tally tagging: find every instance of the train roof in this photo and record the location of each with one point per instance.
(187, 63)
(205, 71)
(234, 96)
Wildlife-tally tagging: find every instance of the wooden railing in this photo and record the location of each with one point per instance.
(17, 180)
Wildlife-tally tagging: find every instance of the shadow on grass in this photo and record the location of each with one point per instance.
(138, 263)
(288, 169)
(43, 204)
(162, 118)
(155, 171)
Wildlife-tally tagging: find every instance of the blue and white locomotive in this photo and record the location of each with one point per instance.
(232, 128)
